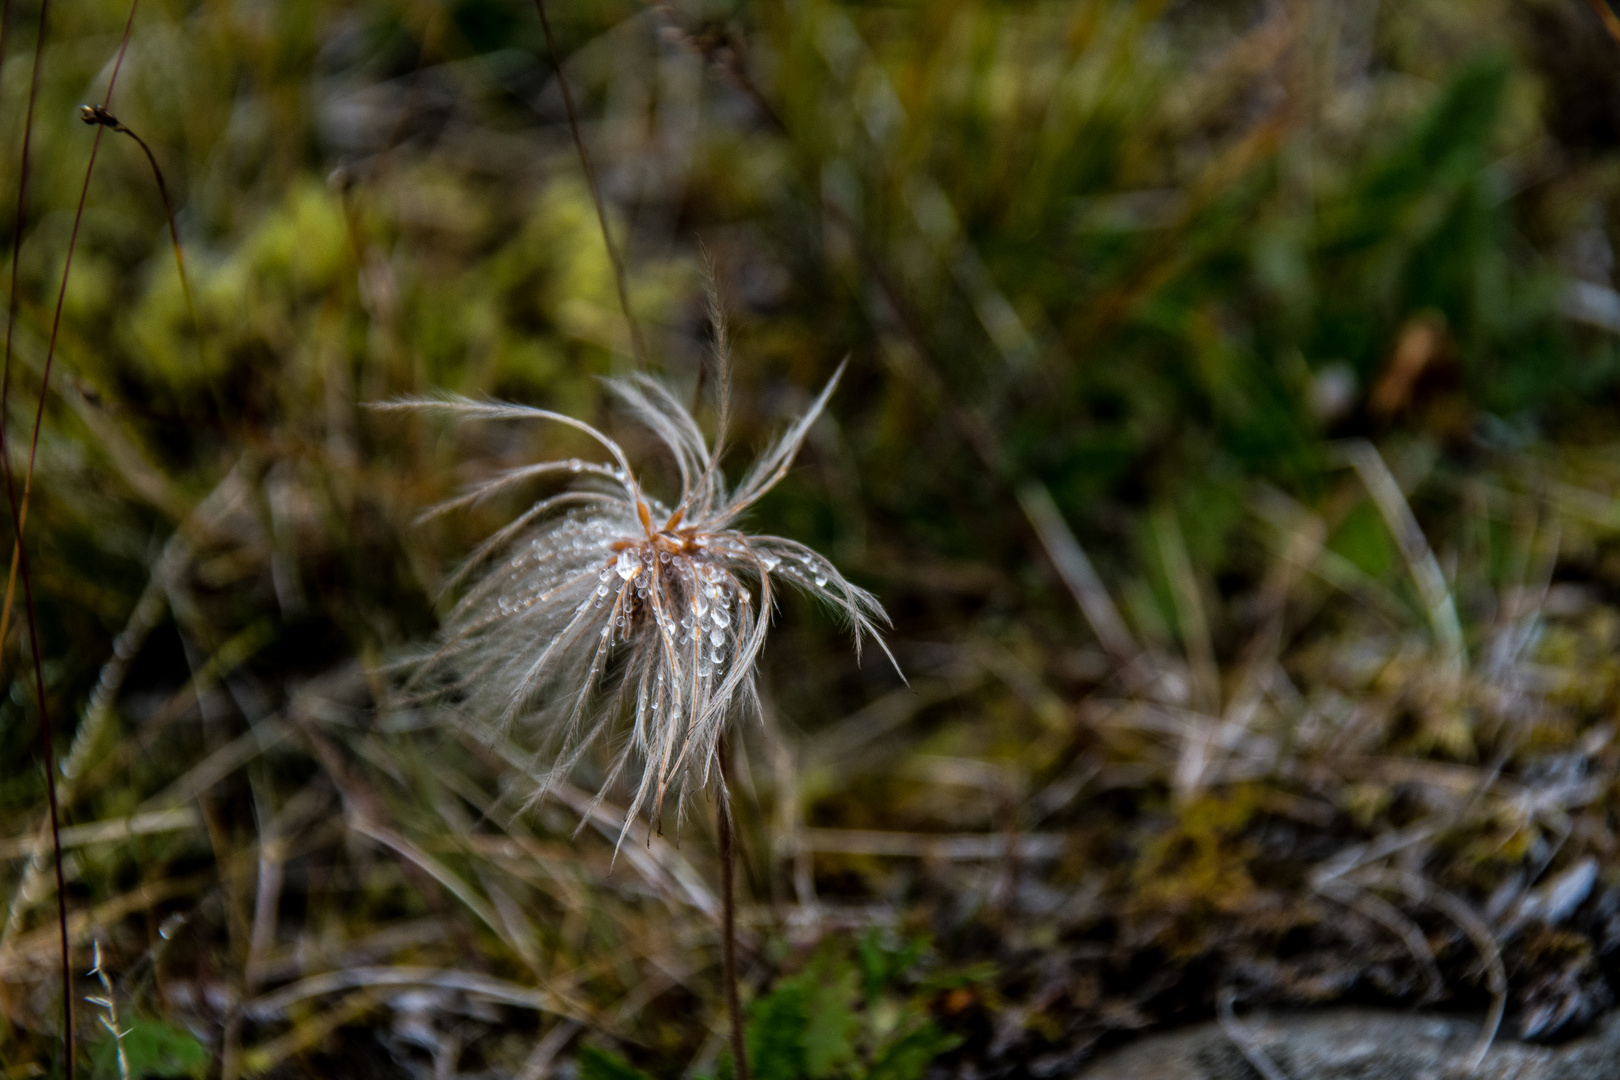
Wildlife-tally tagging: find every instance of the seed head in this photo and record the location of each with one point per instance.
(601, 607)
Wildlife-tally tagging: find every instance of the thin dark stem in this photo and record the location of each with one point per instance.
(637, 346)
(20, 512)
(1607, 17)
(728, 926)
(19, 562)
(97, 114)
(48, 754)
(19, 224)
(19, 509)
(67, 264)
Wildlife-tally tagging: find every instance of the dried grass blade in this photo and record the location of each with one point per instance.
(1244, 1039)
(638, 346)
(538, 1064)
(112, 831)
(276, 1003)
(30, 949)
(961, 847)
(436, 869)
(266, 1056)
(1455, 908)
(1414, 547)
(1076, 570)
(1390, 917)
(659, 862)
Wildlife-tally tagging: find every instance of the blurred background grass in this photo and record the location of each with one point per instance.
(1280, 336)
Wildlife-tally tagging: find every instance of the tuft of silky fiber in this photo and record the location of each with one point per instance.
(602, 610)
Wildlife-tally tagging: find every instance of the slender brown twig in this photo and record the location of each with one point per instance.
(1606, 15)
(98, 115)
(637, 346)
(23, 162)
(20, 514)
(728, 929)
(19, 510)
(67, 264)
(46, 741)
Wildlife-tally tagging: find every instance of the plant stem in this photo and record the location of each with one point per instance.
(637, 347)
(1607, 17)
(95, 114)
(728, 921)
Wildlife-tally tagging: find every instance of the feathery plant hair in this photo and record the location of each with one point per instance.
(602, 602)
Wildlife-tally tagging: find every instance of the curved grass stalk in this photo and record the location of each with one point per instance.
(637, 345)
(19, 509)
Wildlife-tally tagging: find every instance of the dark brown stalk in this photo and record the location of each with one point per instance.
(98, 114)
(637, 346)
(1606, 15)
(728, 931)
(67, 264)
(19, 511)
(19, 223)
(47, 751)
(46, 740)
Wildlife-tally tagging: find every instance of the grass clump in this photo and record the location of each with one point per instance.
(1227, 427)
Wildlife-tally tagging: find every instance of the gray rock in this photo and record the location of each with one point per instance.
(1357, 1044)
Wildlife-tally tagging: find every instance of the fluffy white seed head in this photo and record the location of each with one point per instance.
(601, 609)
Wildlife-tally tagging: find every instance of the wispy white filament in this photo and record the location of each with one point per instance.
(601, 607)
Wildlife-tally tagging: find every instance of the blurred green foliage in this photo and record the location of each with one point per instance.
(1161, 258)
(860, 1017)
(151, 1048)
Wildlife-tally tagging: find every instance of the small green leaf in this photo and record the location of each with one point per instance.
(874, 961)
(831, 1027)
(777, 1025)
(883, 964)
(153, 1049)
